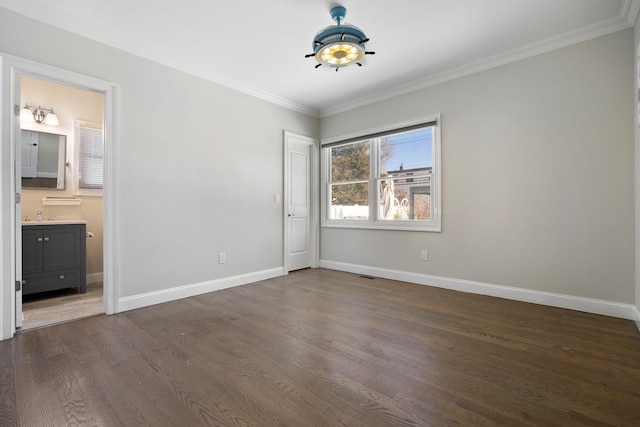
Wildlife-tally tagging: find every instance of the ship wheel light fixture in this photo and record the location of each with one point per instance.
(339, 45)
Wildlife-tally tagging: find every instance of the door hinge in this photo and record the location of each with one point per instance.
(19, 284)
(16, 110)
(18, 197)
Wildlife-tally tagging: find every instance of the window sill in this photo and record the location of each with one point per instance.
(379, 225)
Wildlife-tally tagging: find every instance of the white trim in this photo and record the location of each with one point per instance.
(12, 65)
(636, 313)
(626, 19)
(629, 11)
(380, 129)
(227, 82)
(314, 209)
(373, 223)
(589, 305)
(51, 16)
(7, 205)
(179, 292)
(560, 41)
(111, 139)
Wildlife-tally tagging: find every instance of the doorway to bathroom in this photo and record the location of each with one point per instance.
(59, 195)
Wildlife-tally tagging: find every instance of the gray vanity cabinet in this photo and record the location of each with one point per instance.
(53, 257)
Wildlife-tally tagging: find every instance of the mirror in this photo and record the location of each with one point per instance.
(43, 158)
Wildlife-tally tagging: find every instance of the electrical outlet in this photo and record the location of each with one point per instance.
(222, 258)
(424, 255)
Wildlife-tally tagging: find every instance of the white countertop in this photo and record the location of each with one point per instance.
(55, 222)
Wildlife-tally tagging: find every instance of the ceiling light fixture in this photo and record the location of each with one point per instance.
(339, 45)
(38, 115)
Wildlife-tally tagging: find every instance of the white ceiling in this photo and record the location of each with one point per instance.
(258, 46)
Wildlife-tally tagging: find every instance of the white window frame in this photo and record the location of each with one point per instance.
(78, 191)
(433, 225)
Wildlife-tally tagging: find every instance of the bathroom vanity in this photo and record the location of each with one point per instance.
(53, 256)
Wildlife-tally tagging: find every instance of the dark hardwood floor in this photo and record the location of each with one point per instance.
(325, 348)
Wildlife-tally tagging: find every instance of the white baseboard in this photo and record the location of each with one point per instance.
(172, 294)
(589, 305)
(94, 278)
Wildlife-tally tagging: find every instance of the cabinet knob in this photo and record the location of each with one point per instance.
(39, 239)
(46, 239)
(62, 277)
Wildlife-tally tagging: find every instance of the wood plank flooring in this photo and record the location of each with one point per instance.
(326, 348)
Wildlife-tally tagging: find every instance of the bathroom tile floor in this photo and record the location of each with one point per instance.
(47, 308)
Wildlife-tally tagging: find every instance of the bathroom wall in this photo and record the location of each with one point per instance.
(69, 104)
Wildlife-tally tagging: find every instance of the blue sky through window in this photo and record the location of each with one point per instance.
(412, 149)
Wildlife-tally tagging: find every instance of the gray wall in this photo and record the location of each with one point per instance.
(538, 171)
(197, 164)
(538, 176)
(636, 59)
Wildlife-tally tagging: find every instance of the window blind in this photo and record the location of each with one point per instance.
(91, 157)
(378, 134)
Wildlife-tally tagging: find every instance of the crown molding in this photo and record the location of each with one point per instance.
(630, 10)
(235, 85)
(46, 14)
(590, 32)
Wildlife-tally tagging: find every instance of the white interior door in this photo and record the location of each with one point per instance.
(18, 205)
(300, 246)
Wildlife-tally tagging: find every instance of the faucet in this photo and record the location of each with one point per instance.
(39, 216)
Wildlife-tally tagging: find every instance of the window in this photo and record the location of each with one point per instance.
(90, 156)
(385, 178)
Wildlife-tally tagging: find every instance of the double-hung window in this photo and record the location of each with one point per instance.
(90, 157)
(387, 178)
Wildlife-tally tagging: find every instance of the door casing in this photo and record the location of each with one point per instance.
(10, 69)
(289, 138)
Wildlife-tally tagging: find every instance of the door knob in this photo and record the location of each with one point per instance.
(291, 214)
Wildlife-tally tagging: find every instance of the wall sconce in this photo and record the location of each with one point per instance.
(38, 115)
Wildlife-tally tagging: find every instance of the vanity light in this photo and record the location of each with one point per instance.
(39, 115)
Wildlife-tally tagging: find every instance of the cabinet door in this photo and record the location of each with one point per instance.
(61, 248)
(32, 248)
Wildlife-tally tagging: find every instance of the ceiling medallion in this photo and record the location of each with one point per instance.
(341, 44)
